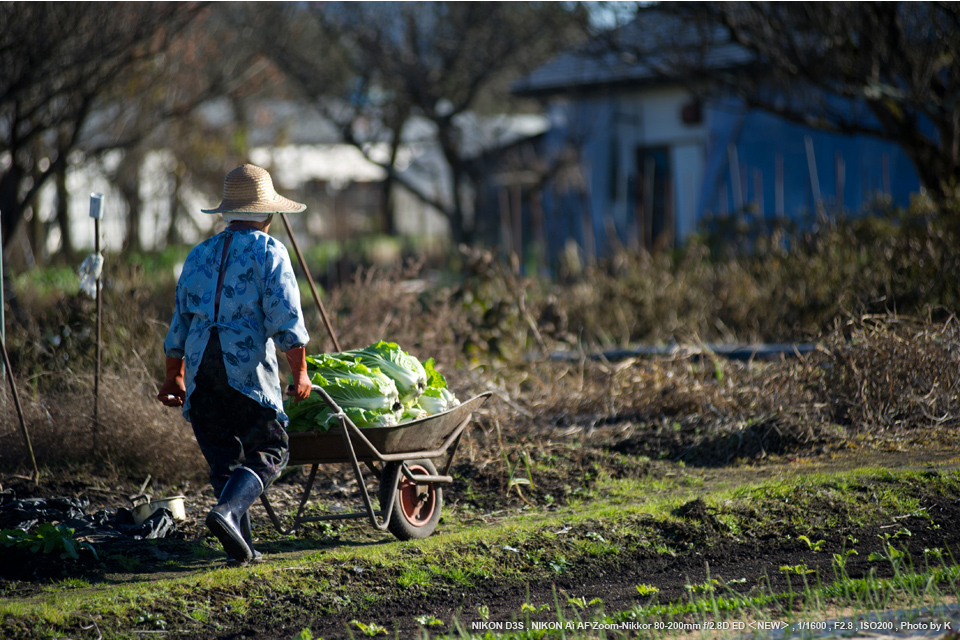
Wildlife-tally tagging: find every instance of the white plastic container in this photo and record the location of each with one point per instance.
(173, 503)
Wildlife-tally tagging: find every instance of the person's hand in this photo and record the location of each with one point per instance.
(300, 389)
(173, 393)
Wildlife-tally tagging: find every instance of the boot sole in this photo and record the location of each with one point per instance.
(233, 543)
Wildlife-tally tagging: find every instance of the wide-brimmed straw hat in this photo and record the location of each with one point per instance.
(249, 189)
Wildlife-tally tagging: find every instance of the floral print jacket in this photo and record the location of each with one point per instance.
(259, 307)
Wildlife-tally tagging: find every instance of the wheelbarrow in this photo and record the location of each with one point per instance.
(410, 494)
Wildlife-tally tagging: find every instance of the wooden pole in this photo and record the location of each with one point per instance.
(313, 288)
(16, 402)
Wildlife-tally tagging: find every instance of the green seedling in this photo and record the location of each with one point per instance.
(704, 587)
(526, 607)
(841, 559)
(429, 620)
(813, 546)
(647, 589)
(892, 554)
(370, 630)
(799, 569)
(559, 565)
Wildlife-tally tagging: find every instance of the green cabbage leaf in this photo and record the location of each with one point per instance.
(398, 365)
(379, 386)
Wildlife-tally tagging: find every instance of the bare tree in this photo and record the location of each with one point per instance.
(59, 59)
(885, 69)
(370, 67)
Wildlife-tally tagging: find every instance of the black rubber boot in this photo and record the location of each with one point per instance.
(241, 491)
(246, 530)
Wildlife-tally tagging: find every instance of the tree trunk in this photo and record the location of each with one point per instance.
(128, 182)
(173, 232)
(11, 211)
(67, 250)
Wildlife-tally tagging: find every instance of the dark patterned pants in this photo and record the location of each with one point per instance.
(232, 429)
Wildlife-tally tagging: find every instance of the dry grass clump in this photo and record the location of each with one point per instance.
(878, 377)
(891, 373)
(777, 288)
(401, 306)
(133, 436)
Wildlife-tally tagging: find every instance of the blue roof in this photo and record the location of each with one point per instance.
(649, 50)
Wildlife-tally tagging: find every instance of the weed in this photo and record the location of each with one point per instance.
(417, 576)
(799, 569)
(371, 629)
(703, 587)
(46, 538)
(813, 546)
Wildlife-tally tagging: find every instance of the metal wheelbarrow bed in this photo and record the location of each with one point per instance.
(409, 493)
(426, 437)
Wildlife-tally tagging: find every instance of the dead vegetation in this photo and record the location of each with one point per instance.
(888, 375)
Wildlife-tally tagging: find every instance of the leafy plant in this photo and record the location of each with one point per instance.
(647, 589)
(429, 620)
(371, 629)
(841, 559)
(799, 569)
(813, 546)
(46, 538)
(559, 565)
(704, 587)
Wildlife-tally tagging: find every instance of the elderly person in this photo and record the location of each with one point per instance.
(237, 297)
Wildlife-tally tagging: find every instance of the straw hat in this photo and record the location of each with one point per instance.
(249, 189)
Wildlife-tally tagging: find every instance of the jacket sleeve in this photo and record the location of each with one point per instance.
(175, 342)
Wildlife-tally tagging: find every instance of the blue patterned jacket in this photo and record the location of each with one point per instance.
(259, 307)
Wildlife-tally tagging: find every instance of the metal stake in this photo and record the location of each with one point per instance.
(313, 288)
(96, 212)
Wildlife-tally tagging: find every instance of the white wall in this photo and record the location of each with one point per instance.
(653, 118)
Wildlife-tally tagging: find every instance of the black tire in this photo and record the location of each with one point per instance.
(416, 509)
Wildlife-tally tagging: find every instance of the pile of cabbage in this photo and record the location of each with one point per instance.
(377, 386)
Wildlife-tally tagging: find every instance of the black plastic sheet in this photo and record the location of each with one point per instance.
(27, 513)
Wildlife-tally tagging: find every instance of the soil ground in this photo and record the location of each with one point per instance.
(613, 578)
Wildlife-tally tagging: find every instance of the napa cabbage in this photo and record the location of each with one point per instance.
(405, 370)
(368, 397)
(378, 386)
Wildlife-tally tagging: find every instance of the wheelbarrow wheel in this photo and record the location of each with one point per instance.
(416, 508)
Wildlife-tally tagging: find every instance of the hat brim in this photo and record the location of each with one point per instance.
(278, 205)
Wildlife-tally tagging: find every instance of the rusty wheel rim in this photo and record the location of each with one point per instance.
(416, 502)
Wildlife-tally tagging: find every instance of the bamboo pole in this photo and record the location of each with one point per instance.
(313, 288)
(16, 402)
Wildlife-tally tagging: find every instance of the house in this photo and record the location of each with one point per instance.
(343, 188)
(656, 165)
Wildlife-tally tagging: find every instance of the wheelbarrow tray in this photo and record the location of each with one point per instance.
(426, 437)
(393, 447)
